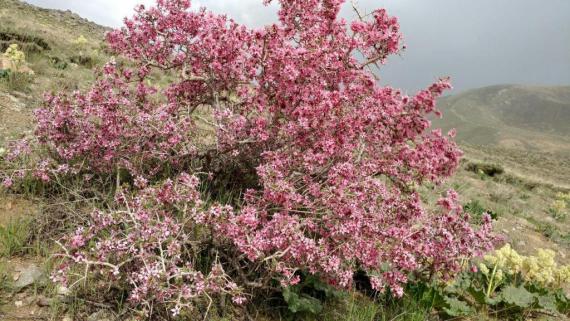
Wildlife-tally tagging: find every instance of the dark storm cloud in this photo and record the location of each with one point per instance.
(477, 43)
(481, 42)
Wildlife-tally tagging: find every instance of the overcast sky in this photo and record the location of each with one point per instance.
(477, 43)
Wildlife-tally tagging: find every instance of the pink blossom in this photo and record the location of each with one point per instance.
(7, 182)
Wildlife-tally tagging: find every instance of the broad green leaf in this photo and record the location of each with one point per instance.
(301, 303)
(457, 308)
(547, 302)
(478, 295)
(517, 296)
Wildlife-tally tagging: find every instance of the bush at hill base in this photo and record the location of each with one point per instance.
(322, 162)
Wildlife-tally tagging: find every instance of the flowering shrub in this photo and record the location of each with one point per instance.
(144, 247)
(334, 158)
(115, 126)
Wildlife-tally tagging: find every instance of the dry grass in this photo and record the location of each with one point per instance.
(518, 197)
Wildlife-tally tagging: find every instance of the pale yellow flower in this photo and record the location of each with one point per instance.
(80, 41)
(15, 55)
(541, 269)
(484, 269)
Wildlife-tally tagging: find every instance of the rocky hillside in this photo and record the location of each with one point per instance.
(511, 116)
(49, 38)
(61, 49)
(43, 29)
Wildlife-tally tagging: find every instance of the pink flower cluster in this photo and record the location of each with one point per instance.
(118, 124)
(336, 157)
(145, 247)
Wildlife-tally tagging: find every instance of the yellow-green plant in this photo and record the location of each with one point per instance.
(81, 41)
(508, 283)
(563, 196)
(559, 207)
(16, 78)
(503, 260)
(15, 56)
(541, 270)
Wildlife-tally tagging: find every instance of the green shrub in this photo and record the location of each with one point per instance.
(4, 73)
(17, 81)
(308, 296)
(548, 230)
(476, 209)
(59, 63)
(487, 169)
(559, 207)
(83, 60)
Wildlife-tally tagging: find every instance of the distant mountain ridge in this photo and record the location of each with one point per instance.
(534, 118)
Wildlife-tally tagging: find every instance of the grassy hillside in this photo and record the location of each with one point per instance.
(40, 29)
(511, 116)
(48, 38)
(525, 131)
(54, 61)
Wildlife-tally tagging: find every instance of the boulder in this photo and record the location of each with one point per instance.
(28, 276)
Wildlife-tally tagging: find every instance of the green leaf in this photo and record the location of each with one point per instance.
(457, 308)
(493, 300)
(317, 284)
(517, 296)
(548, 302)
(462, 283)
(301, 303)
(562, 301)
(478, 295)
(431, 298)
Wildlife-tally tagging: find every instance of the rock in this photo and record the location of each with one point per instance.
(28, 276)
(18, 304)
(101, 315)
(67, 318)
(42, 301)
(62, 290)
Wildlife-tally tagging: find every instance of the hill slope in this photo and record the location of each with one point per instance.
(511, 116)
(49, 40)
(54, 60)
(49, 29)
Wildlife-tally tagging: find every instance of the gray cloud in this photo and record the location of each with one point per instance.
(477, 43)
